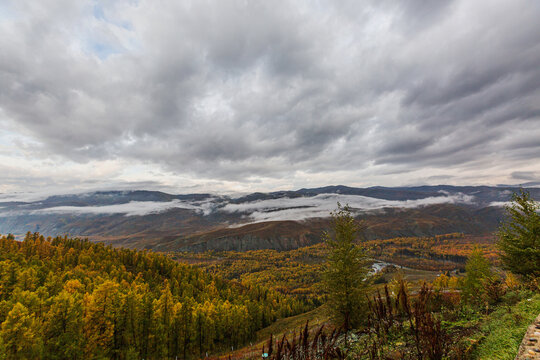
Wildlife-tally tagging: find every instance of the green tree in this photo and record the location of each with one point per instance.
(345, 275)
(519, 236)
(478, 269)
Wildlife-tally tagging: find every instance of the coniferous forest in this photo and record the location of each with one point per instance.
(68, 298)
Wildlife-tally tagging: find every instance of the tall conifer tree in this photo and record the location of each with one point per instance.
(519, 236)
(345, 276)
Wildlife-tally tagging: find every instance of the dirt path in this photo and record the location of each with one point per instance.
(530, 346)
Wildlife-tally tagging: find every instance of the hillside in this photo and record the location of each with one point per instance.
(298, 272)
(73, 299)
(281, 220)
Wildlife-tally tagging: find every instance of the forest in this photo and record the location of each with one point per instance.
(70, 298)
(66, 298)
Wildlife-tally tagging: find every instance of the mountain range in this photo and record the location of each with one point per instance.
(279, 220)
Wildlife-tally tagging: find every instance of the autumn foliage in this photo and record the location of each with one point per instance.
(67, 298)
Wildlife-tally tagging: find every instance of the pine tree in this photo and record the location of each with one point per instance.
(345, 276)
(519, 236)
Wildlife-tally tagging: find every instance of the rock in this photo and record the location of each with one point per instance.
(529, 348)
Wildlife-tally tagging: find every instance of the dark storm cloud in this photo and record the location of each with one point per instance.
(233, 89)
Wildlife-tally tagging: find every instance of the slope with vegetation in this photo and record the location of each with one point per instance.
(481, 316)
(298, 272)
(72, 299)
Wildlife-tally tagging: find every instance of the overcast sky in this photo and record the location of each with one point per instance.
(264, 95)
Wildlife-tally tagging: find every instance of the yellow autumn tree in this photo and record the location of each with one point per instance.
(100, 307)
(19, 335)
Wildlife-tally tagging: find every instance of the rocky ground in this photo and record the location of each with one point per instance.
(530, 346)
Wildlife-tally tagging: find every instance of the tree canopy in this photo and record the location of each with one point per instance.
(67, 298)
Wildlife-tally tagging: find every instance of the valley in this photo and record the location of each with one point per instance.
(249, 267)
(298, 272)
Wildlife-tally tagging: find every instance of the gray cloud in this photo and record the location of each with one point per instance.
(524, 175)
(236, 91)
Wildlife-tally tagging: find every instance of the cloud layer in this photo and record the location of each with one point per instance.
(298, 208)
(130, 209)
(322, 205)
(288, 94)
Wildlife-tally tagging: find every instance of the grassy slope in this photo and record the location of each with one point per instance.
(316, 318)
(505, 329)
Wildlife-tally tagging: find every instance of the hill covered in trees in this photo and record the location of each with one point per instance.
(282, 220)
(68, 298)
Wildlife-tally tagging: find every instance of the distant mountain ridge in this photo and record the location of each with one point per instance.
(279, 220)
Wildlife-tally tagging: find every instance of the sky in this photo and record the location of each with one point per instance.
(240, 96)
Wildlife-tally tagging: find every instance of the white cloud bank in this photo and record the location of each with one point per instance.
(132, 208)
(504, 203)
(264, 210)
(321, 205)
(499, 203)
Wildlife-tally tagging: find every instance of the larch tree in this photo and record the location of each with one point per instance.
(347, 267)
(19, 335)
(163, 318)
(63, 326)
(100, 307)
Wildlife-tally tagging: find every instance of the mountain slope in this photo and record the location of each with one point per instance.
(277, 220)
